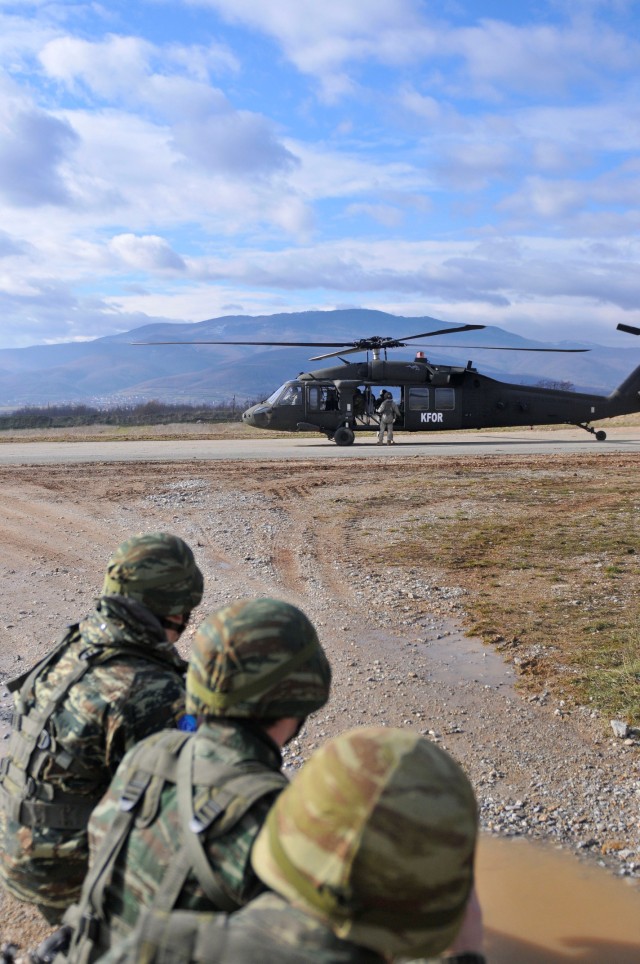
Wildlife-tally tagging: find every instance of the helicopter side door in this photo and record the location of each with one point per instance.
(431, 409)
(323, 405)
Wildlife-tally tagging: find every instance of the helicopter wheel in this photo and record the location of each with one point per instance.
(343, 436)
(601, 436)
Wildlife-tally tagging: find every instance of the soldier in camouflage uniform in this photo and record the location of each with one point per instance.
(114, 678)
(369, 854)
(178, 822)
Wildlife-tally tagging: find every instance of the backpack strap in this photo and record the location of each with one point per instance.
(233, 791)
(25, 681)
(87, 916)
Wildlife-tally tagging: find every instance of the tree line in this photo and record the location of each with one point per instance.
(146, 413)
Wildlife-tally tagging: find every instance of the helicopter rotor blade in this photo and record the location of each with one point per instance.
(504, 348)
(335, 354)
(360, 344)
(442, 331)
(630, 329)
(281, 344)
(377, 342)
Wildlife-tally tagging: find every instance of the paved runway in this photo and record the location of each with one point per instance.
(418, 445)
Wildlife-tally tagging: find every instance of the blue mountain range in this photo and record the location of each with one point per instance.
(125, 369)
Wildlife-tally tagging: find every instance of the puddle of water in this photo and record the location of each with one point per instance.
(457, 657)
(542, 905)
(453, 658)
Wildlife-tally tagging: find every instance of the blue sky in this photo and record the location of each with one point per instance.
(474, 161)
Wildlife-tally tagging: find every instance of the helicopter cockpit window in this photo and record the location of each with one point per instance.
(418, 399)
(445, 399)
(322, 398)
(273, 397)
(289, 394)
(292, 396)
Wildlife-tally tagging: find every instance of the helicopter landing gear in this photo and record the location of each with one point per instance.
(599, 433)
(343, 436)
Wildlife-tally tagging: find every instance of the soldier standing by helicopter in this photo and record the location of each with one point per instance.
(388, 412)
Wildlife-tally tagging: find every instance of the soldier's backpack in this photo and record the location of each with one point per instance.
(233, 790)
(24, 797)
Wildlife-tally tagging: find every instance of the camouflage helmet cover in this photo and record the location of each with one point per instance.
(258, 658)
(157, 569)
(376, 836)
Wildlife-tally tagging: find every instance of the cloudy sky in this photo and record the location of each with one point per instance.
(184, 159)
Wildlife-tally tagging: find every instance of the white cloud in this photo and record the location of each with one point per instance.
(307, 25)
(564, 200)
(22, 37)
(9, 246)
(122, 67)
(504, 58)
(132, 172)
(202, 61)
(385, 214)
(33, 148)
(320, 38)
(204, 125)
(148, 253)
(293, 216)
(235, 143)
(473, 151)
(470, 164)
(113, 68)
(424, 106)
(49, 311)
(490, 58)
(616, 120)
(497, 273)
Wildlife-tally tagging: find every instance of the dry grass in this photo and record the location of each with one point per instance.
(201, 430)
(111, 433)
(548, 550)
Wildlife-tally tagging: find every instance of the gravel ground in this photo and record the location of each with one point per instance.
(395, 638)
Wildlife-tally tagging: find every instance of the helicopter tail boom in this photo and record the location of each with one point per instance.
(630, 387)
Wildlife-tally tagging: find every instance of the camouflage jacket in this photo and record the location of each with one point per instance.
(112, 680)
(268, 930)
(388, 411)
(142, 870)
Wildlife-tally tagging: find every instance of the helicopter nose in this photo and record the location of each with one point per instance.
(259, 416)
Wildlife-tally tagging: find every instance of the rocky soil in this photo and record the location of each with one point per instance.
(395, 637)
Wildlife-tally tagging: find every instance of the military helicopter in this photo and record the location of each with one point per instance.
(339, 401)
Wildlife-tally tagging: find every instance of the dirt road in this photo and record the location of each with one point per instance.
(395, 638)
